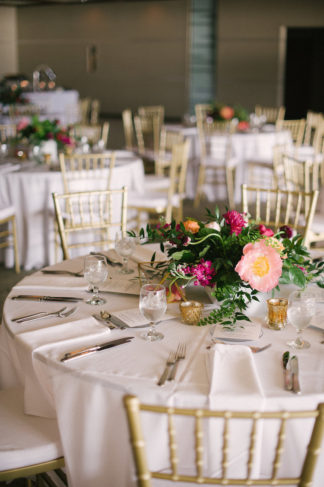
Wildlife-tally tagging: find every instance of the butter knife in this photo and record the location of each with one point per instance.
(95, 348)
(294, 375)
(31, 297)
(286, 372)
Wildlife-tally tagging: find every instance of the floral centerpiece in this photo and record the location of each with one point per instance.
(234, 258)
(35, 131)
(223, 112)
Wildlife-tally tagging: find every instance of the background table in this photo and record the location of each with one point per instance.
(30, 191)
(86, 394)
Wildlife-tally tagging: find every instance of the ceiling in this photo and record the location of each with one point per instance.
(30, 3)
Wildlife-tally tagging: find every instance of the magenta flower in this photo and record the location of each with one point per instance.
(203, 272)
(260, 266)
(266, 232)
(235, 220)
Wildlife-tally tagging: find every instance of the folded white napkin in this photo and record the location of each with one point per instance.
(232, 372)
(53, 281)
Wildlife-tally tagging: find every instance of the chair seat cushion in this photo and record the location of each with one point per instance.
(24, 439)
(6, 211)
(153, 182)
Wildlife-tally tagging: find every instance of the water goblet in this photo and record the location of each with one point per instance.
(301, 309)
(152, 305)
(125, 246)
(95, 272)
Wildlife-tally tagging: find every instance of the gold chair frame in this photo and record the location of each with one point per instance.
(295, 127)
(92, 132)
(128, 127)
(134, 410)
(273, 114)
(167, 140)
(89, 211)
(10, 221)
(293, 208)
(7, 131)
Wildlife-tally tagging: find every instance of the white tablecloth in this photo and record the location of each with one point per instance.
(30, 191)
(62, 105)
(245, 146)
(86, 394)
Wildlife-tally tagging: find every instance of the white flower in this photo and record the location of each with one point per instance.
(213, 225)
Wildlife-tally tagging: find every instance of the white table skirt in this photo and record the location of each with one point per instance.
(86, 394)
(245, 147)
(30, 191)
(62, 105)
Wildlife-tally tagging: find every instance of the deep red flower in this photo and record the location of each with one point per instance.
(235, 220)
(287, 231)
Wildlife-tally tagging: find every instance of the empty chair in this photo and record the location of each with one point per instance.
(245, 427)
(296, 129)
(84, 110)
(92, 134)
(313, 120)
(147, 130)
(85, 172)
(167, 140)
(29, 445)
(8, 230)
(89, 220)
(152, 111)
(7, 131)
(272, 114)
(216, 166)
(277, 207)
(94, 112)
(169, 204)
(128, 127)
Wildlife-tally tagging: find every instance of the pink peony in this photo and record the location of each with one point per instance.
(235, 220)
(266, 232)
(23, 123)
(260, 266)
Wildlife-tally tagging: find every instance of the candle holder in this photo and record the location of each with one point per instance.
(277, 313)
(191, 312)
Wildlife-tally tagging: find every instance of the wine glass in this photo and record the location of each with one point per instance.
(301, 309)
(152, 305)
(95, 272)
(125, 246)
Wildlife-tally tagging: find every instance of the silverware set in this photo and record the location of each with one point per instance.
(291, 373)
(61, 313)
(171, 365)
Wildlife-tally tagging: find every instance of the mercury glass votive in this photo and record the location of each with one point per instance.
(277, 313)
(191, 311)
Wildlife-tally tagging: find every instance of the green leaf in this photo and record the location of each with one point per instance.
(297, 276)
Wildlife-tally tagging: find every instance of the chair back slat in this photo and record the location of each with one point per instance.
(279, 448)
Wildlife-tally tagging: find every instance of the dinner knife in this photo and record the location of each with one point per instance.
(31, 297)
(95, 348)
(286, 372)
(294, 375)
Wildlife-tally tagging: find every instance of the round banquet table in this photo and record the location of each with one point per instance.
(86, 394)
(30, 190)
(246, 146)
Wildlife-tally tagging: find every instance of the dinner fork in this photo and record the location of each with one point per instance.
(180, 355)
(62, 272)
(253, 348)
(171, 360)
(61, 313)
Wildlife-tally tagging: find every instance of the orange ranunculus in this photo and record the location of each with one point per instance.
(227, 113)
(191, 226)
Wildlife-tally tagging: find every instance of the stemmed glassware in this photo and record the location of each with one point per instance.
(152, 305)
(95, 272)
(301, 309)
(125, 246)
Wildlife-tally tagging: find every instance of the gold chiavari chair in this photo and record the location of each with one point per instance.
(168, 138)
(29, 446)
(81, 172)
(216, 165)
(94, 112)
(277, 207)
(313, 120)
(94, 134)
(157, 204)
(152, 111)
(90, 219)
(8, 230)
(7, 131)
(128, 127)
(272, 114)
(84, 110)
(282, 428)
(306, 176)
(147, 131)
(295, 127)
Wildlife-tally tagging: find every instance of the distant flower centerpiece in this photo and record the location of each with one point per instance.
(234, 258)
(223, 112)
(36, 131)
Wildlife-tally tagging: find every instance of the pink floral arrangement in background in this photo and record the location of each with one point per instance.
(36, 131)
(236, 259)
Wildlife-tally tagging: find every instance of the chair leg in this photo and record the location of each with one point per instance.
(15, 242)
(201, 178)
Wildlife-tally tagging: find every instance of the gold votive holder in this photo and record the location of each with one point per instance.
(277, 313)
(191, 312)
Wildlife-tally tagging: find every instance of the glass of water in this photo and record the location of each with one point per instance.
(301, 309)
(95, 272)
(125, 246)
(152, 305)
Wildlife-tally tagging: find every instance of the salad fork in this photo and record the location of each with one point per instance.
(180, 355)
(171, 360)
